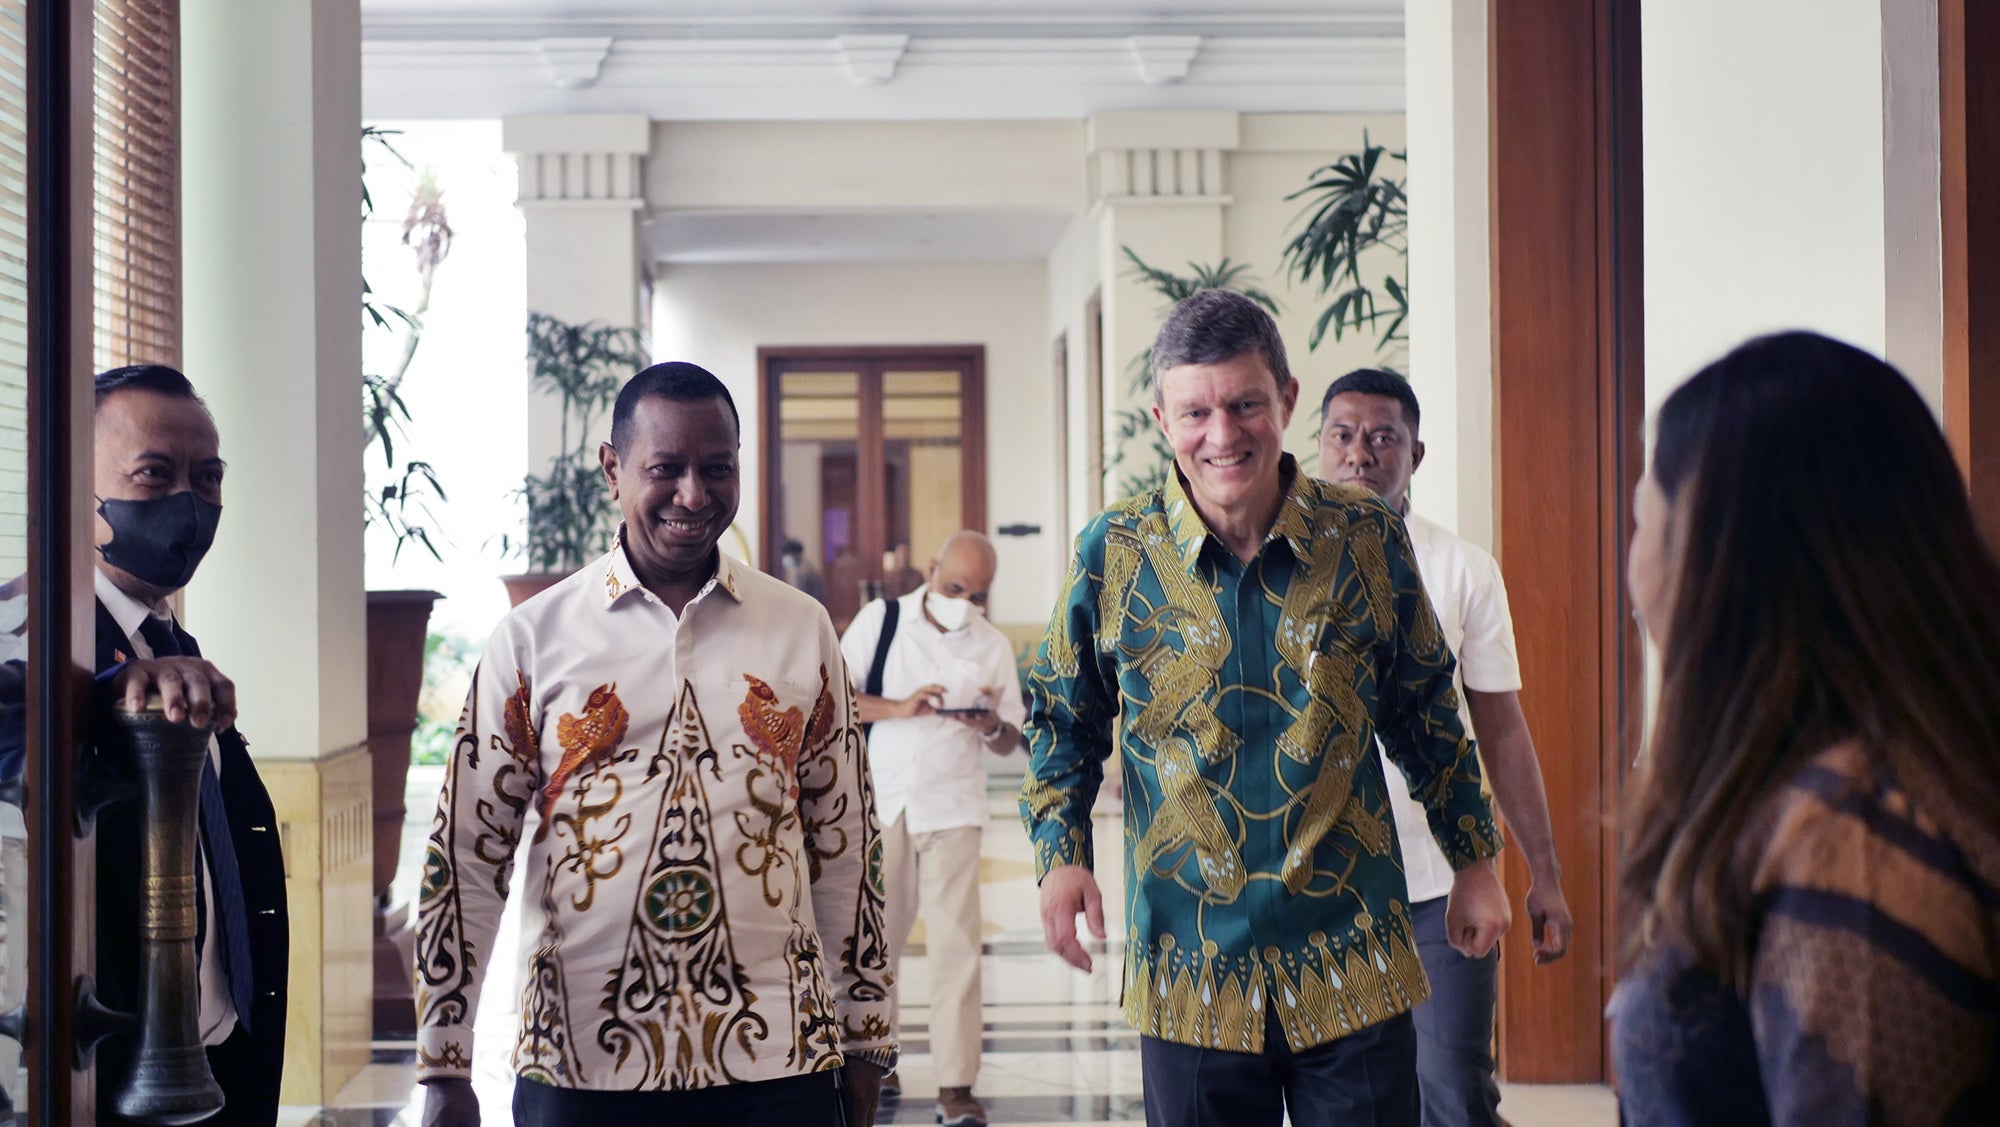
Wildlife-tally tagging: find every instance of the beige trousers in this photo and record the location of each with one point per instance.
(940, 869)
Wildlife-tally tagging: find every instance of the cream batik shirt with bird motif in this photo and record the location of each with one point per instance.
(703, 884)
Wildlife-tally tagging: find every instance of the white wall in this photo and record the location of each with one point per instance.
(1765, 178)
(718, 316)
(875, 165)
(1072, 278)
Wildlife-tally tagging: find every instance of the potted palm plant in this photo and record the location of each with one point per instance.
(569, 514)
(1357, 203)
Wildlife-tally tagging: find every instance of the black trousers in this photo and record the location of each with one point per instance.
(1365, 1079)
(813, 1100)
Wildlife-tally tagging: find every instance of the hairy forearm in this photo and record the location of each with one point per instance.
(1515, 774)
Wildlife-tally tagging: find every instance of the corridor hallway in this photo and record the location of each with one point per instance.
(1056, 1049)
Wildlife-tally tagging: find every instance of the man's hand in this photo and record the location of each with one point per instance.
(450, 1102)
(1067, 890)
(1548, 912)
(923, 702)
(862, 1083)
(1476, 915)
(193, 691)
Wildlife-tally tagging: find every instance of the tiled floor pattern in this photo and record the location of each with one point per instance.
(1057, 1051)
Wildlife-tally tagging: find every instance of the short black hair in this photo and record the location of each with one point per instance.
(1214, 326)
(794, 548)
(144, 377)
(1376, 381)
(676, 380)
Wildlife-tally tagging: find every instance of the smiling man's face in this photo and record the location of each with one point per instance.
(676, 486)
(1226, 424)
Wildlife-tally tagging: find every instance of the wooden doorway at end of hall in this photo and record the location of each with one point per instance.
(871, 457)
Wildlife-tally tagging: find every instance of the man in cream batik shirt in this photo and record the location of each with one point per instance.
(673, 731)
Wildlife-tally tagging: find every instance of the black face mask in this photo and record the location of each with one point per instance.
(159, 542)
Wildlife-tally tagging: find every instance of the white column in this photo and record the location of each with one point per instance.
(1157, 187)
(582, 196)
(271, 278)
(1451, 316)
(271, 282)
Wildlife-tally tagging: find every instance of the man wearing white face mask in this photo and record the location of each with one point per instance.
(937, 682)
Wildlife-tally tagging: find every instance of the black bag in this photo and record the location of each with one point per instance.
(891, 611)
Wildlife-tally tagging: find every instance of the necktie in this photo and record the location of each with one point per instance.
(166, 639)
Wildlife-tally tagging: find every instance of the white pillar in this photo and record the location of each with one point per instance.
(1451, 313)
(582, 196)
(1157, 186)
(271, 281)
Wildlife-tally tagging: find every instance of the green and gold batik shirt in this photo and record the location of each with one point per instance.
(1261, 862)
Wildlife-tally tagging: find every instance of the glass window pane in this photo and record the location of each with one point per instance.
(817, 512)
(921, 424)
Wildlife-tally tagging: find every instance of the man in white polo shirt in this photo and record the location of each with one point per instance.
(937, 682)
(1368, 437)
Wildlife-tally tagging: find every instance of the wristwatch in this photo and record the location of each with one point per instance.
(883, 1058)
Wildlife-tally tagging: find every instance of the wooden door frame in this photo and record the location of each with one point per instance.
(62, 603)
(1568, 404)
(1969, 112)
(864, 359)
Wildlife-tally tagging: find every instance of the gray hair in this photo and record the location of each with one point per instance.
(1214, 326)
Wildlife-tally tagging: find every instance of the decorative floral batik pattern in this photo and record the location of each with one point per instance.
(707, 900)
(1246, 700)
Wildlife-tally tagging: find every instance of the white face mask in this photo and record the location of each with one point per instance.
(949, 613)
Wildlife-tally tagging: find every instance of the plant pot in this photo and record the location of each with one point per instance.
(398, 622)
(521, 588)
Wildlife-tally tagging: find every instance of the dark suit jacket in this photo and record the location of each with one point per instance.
(249, 1064)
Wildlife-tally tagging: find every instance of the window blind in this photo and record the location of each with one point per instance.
(13, 288)
(136, 222)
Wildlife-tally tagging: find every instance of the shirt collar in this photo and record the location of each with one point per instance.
(620, 580)
(128, 612)
(1294, 524)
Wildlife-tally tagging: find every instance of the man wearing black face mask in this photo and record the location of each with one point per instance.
(158, 483)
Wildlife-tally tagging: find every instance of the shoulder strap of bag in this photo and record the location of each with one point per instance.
(891, 611)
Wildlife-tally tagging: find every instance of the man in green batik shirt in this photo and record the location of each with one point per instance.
(1247, 631)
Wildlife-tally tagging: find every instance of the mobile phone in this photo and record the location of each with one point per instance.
(960, 711)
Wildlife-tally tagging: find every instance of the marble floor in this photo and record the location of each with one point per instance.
(1056, 1050)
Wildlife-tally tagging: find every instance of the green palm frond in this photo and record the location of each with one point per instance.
(1352, 206)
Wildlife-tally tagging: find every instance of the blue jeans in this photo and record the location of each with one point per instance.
(1365, 1079)
(1455, 1028)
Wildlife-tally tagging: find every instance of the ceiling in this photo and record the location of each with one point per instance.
(776, 17)
(869, 60)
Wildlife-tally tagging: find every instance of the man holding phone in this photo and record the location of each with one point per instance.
(937, 682)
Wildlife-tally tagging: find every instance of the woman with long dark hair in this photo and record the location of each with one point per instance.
(1812, 839)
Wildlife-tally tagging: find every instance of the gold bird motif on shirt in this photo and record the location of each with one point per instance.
(599, 730)
(1187, 816)
(775, 733)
